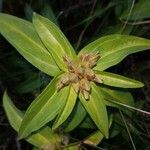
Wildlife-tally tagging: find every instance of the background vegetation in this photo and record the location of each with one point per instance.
(82, 21)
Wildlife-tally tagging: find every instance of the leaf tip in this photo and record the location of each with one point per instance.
(142, 84)
(22, 134)
(139, 84)
(54, 127)
(107, 135)
(19, 137)
(105, 132)
(4, 95)
(34, 14)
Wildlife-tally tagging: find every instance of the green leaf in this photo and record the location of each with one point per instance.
(114, 48)
(87, 123)
(115, 80)
(22, 35)
(43, 109)
(75, 118)
(48, 12)
(28, 11)
(141, 10)
(30, 84)
(119, 95)
(96, 137)
(44, 137)
(67, 109)
(15, 116)
(54, 40)
(96, 108)
(116, 129)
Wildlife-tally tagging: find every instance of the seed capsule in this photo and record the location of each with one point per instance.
(85, 85)
(76, 87)
(86, 94)
(98, 79)
(89, 73)
(59, 86)
(72, 67)
(80, 74)
(64, 81)
(93, 60)
(89, 60)
(73, 78)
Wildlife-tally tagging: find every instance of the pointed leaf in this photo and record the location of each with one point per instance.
(15, 117)
(96, 137)
(122, 96)
(48, 12)
(97, 110)
(22, 35)
(114, 48)
(87, 123)
(119, 95)
(28, 11)
(30, 84)
(141, 10)
(43, 109)
(44, 137)
(54, 40)
(115, 80)
(76, 118)
(67, 109)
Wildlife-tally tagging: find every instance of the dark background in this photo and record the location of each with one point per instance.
(82, 21)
